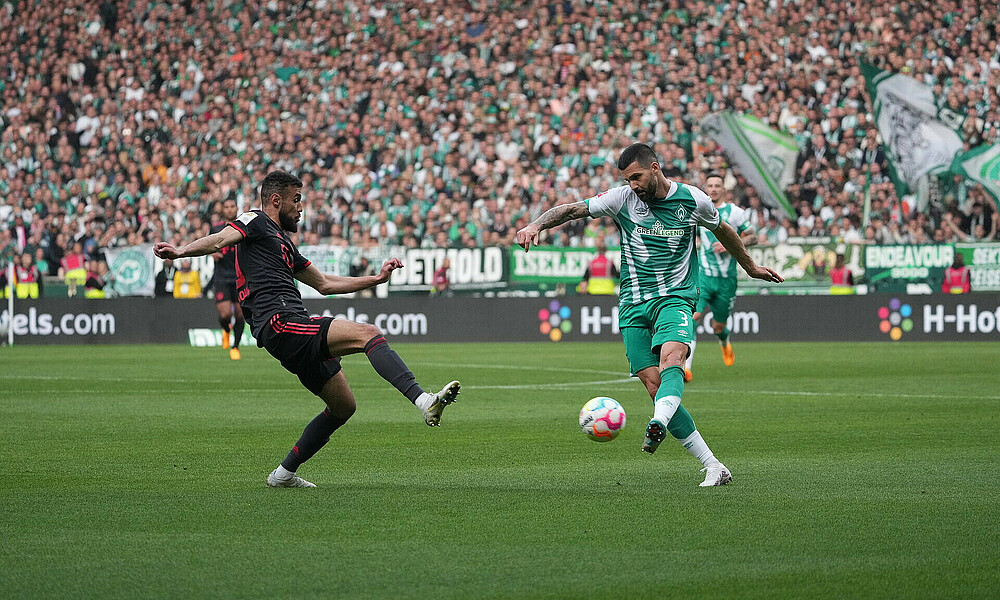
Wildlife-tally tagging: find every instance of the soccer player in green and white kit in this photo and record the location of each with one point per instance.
(717, 270)
(658, 220)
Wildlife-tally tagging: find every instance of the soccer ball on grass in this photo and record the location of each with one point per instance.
(602, 419)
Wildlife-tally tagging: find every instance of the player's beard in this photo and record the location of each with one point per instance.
(289, 224)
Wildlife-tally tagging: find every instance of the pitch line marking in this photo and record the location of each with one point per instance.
(518, 368)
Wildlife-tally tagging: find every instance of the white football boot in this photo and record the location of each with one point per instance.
(292, 482)
(447, 395)
(716, 474)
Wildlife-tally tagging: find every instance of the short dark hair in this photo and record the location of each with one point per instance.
(637, 152)
(712, 174)
(278, 182)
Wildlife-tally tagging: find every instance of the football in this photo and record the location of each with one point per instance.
(602, 419)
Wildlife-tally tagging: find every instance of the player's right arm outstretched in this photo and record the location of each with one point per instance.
(209, 244)
(553, 217)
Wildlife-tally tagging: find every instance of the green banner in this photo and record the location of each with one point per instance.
(131, 270)
(549, 264)
(907, 268)
(803, 262)
(983, 261)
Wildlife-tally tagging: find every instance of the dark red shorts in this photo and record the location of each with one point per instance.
(225, 291)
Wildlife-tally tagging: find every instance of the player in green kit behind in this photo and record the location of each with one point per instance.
(658, 221)
(717, 270)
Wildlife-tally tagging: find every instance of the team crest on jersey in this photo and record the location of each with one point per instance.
(681, 213)
(641, 209)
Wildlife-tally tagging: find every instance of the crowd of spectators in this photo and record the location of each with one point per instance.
(428, 123)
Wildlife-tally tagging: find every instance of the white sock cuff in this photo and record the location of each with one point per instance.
(283, 473)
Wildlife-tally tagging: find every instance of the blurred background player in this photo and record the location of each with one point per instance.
(717, 270)
(601, 274)
(224, 285)
(658, 222)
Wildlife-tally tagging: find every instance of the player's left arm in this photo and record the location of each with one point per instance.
(334, 284)
(728, 237)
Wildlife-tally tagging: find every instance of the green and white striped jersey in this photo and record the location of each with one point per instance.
(657, 239)
(721, 265)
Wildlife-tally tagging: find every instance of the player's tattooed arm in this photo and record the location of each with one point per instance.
(209, 244)
(734, 245)
(553, 217)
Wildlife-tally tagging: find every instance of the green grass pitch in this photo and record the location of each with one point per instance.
(861, 471)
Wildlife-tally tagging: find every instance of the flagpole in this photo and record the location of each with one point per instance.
(866, 215)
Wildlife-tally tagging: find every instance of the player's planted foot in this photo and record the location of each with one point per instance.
(225, 339)
(433, 405)
(688, 375)
(716, 474)
(655, 432)
(728, 356)
(294, 481)
(234, 353)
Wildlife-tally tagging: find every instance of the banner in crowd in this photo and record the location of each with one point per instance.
(983, 261)
(469, 269)
(804, 263)
(132, 270)
(981, 165)
(906, 268)
(919, 136)
(764, 156)
(550, 264)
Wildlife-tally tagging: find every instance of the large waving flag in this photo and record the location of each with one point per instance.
(919, 136)
(764, 156)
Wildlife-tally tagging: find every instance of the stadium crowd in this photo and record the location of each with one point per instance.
(428, 123)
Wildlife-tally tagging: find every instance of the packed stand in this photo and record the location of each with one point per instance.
(437, 124)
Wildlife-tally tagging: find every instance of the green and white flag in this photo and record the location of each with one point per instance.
(919, 136)
(764, 156)
(132, 272)
(982, 165)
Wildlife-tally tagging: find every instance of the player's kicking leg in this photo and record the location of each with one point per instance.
(347, 337)
(340, 406)
(665, 385)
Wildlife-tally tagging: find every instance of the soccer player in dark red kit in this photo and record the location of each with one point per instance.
(267, 263)
(224, 287)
